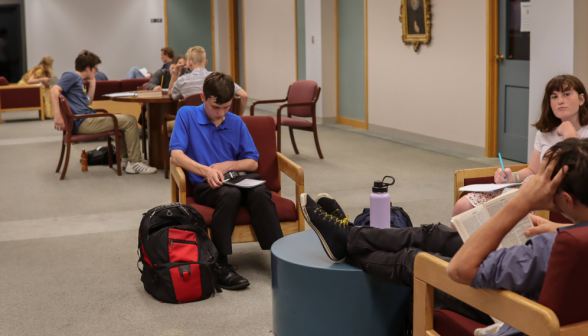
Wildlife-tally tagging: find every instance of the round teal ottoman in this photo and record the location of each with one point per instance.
(313, 295)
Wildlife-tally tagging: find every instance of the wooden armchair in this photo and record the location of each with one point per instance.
(15, 97)
(301, 102)
(486, 175)
(560, 310)
(69, 137)
(270, 166)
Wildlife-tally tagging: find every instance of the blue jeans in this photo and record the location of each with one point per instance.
(135, 73)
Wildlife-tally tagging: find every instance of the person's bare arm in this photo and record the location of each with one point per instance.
(175, 71)
(36, 80)
(246, 165)
(532, 169)
(58, 121)
(244, 97)
(213, 176)
(537, 193)
(91, 89)
(542, 225)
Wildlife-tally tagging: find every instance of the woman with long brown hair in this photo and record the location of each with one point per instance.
(41, 74)
(563, 115)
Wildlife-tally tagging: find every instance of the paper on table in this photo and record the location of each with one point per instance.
(121, 94)
(144, 72)
(246, 183)
(488, 187)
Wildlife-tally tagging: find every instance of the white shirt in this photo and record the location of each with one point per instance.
(544, 141)
(192, 83)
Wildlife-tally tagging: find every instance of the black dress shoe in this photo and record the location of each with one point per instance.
(229, 279)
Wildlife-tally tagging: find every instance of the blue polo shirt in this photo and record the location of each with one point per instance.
(75, 94)
(207, 144)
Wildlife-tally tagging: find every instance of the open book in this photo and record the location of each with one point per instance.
(468, 222)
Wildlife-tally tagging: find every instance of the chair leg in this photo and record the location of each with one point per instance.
(65, 164)
(109, 152)
(144, 139)
(316, 141)
(60, 156)
(292, 139)
(116, 144)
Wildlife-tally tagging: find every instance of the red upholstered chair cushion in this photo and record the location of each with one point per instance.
(448, 323)
(293, 122)
(104, 87)
(285, 207)
(132, 84)
(263, 132)
(301, 92)
(564, 290)
(20, 98)
(3, 81)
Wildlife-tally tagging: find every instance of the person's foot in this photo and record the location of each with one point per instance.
(330, 205)
(229, 279)
(125, 161)
(332, 231)
(139, 168)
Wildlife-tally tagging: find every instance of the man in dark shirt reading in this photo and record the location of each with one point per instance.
(389, 254)
(208, 142)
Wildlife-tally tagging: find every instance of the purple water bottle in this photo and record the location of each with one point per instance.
(380, 204)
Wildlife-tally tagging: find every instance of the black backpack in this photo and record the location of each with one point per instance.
(99, 156)
(178, 257)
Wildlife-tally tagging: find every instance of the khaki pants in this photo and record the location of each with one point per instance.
(129, 144)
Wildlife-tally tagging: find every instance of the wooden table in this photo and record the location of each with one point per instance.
(156, 109)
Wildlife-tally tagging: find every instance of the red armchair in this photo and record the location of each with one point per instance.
(68, 137)
(301, 97)
(20, 98)
(270, 165)
(559, 311)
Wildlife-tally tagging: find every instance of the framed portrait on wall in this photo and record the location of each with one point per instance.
(415, 16)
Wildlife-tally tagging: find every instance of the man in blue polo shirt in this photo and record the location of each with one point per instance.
(208, 142)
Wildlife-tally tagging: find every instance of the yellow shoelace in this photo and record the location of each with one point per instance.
(340, 222)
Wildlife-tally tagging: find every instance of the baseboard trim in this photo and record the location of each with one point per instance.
(427, 142)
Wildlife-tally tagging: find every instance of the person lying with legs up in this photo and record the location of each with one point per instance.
(389, 254)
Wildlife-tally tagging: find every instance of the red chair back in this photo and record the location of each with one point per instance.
(132, 84)
(193, 100)
(104, 87)
(564, 289)
(66, 114)
(302, 92)
(3, 81)
(236, 106)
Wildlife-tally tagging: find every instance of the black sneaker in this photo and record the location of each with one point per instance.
(332, 231)
(330, 205)
(229, 279)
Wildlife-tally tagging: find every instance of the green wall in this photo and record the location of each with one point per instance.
(351, 59)
(301, 39)
(189, 24)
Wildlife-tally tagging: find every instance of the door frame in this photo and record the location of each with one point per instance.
(343, 120)
(234, 40)
(211, 24)
(491, 78)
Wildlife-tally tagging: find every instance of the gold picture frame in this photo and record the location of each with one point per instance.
(415, 16)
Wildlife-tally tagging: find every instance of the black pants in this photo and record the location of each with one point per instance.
(389, 254)
(226, 201)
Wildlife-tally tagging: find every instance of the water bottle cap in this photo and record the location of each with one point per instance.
(381, 186)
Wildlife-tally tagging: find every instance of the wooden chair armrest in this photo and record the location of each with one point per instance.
(100, 111)
(178, 183)
(251, 109)
(461, 175)
(18, 86)
(168, 117)
(521, 313)
(291, 169)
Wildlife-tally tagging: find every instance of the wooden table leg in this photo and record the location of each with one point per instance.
(156, 138)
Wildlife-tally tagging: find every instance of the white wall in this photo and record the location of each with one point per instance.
(552, 51)
(441, 90)
(119, 32)
(270, 47)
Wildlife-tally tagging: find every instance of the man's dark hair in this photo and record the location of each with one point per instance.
(168, 51)
(573, 153)
(86, 59)
(176, 59)
(3, 31)
(219, 85)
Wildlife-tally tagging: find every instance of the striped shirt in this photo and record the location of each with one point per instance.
(191, 84)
